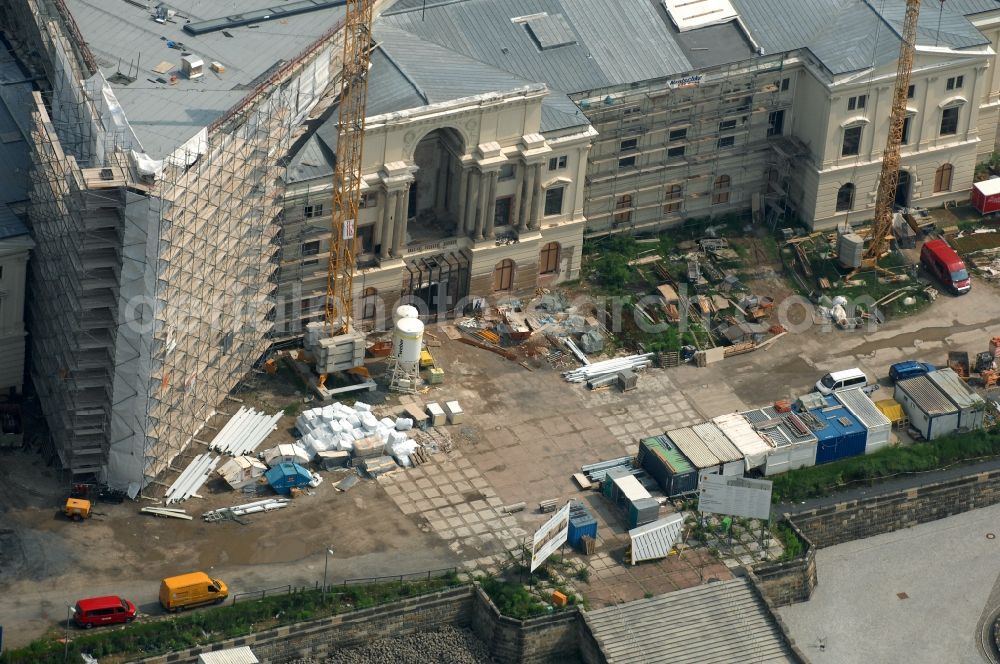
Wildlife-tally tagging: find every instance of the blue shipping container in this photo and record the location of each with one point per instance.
(286, 476)
(843, 436)
(580, 523)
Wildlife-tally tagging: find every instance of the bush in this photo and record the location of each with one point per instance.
(791, 543)
(818, 481)
(512, 600)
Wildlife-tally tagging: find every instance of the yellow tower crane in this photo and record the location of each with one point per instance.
(889, 179)
(347, 168)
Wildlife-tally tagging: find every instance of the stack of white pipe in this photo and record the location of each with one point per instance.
(265, 505)
(608, 367)
(244, 432)
(192, 478)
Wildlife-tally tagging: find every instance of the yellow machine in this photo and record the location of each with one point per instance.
(77, 509)
(426, 359)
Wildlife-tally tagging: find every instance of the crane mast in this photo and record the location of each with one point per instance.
(347, 169)
(889, 178)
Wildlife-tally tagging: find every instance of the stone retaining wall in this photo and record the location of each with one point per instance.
(857, 519)
(790, 581)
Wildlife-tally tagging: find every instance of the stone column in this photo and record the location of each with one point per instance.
(484, 205)
(471, 210)
(388, 204)
(536, 197)
(491, 205)
(515, 209)
(525, 192)
(463, 191)
(399, 235)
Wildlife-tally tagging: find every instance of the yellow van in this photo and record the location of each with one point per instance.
(194, 589)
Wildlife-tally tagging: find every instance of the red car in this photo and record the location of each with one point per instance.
(96, 611)
(941, 261)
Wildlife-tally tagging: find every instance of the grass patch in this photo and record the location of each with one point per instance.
(816, 481)
(147, 639)
(792, 545)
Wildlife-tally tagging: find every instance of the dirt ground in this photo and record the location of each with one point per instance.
(526, 431)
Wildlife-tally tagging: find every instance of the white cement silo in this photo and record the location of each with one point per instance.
(407, 342)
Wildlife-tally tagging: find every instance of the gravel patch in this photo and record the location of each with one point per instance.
(444, 646)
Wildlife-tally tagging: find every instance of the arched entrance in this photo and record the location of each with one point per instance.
(903, 188)
(433, 203)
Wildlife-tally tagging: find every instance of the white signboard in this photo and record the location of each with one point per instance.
(735, 496)
(348, 229)
(550, 537)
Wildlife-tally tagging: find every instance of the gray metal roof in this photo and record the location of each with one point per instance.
(971, 7)
(164, 116)
(851, 35)
(717, 442)
(693, 447)
(856, 401)
(655, 539)
(617, 43)
(955, 389)
(709, 624)
(926, 395)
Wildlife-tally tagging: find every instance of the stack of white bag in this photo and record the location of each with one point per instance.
(337, 427)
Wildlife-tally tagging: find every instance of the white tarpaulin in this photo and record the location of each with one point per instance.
(550, 537)
(735, 496)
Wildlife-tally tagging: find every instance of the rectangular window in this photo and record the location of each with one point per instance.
(726, 142)
(678, 134)
(367, 236)
(906, 130)
(507, 172)
(727, 124)
(626, 162)
(367, 201)
(675, 195)
(310, 211)
(554, 200)
(631, 114)
(857, 103)
(776, 123)
(628, 144)
(852, 142)
(310, 248)
(556, 163)
(784, 84)
(675, 152)
(623, 209)
(949, 121)
(955, 83)
(310, 263)
(910, 91)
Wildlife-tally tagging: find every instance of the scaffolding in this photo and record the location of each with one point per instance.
(636, 189)
(153, 281)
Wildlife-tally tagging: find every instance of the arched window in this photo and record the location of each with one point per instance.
(720, 192)
(503, 275)
(623, 209)
(845, 197)
(942, 178)
(549, 260)
(674, 195)
(369, 302)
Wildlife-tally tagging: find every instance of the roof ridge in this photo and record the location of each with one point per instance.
(402, 72)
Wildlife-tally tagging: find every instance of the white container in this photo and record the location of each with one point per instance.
(407, 341)
(404, 311)
(453, 411)
(437, 414)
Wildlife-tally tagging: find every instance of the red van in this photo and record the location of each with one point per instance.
(942, 261)
(97, 611)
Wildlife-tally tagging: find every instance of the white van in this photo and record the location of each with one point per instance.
(841, 380)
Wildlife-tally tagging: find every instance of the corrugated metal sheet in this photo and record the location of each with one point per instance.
(926, 396)
(717, 442)
(715, 623)
(858, 403)
(843, 435)
(693, 447)
(955, 389)
(742, 435)
(654, 540)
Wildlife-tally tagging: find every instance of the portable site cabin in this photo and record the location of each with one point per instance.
(286, 453)
(696, 450)
(241, 471)
(668, 465)
(878, 426)
(731, 459)
(931, 413)
(794, 444)
(741, 434)
(971, 406)
(838, 431)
